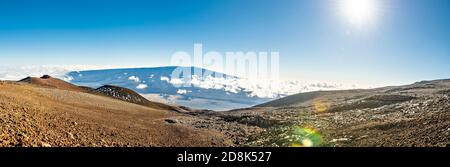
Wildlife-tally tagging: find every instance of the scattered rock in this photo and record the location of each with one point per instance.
(44, 144)
(46, 77)
(339, 140)
(171, 121)
(362, 137)
(70, 135)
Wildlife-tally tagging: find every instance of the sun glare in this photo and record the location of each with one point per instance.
(359, 12)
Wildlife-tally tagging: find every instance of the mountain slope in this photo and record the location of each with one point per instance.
(133, 97)
(107, 90)
(409, 115)
(309, 97)
(33, 115)
(48, 81)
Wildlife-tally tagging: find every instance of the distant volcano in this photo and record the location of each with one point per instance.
(156, 84)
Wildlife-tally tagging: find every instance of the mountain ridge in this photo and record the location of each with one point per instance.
(307, 96)
(111, 91)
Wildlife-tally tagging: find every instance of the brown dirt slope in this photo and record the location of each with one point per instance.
(50, 82)
(133, 97)
(107, 90)
(32, 115)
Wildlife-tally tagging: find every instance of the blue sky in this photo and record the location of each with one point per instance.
(409, 41)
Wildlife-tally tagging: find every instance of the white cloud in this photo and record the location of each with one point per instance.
(141, 86)
(165, 79)
(20, 72)
(176, 81)
(182, 91)
(262, 89)
(133, 78)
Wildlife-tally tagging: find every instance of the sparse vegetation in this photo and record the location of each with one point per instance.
(49, 112)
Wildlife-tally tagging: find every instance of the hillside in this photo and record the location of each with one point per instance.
(133, 97)
(53, 113)
(42, 115)
(115, 92)
(411, 115)
(50, 82)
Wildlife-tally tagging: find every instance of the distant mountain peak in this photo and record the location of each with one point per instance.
(48, 81)
(206, 91)
(46, 77)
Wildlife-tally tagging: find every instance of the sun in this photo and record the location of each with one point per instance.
(359, 12)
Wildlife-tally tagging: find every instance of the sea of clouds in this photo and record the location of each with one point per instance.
(262, 89)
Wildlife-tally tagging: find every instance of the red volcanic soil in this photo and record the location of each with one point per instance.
(44, 112)
(50, 82)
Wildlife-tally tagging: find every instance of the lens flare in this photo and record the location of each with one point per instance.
(306, 137)
(307, 143)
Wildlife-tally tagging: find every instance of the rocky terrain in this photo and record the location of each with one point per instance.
(47, 116)
(49, 112)
(133, 97)
(416, 115)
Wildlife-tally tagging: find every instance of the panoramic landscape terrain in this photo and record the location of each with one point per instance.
(49, 112)
(225, 73)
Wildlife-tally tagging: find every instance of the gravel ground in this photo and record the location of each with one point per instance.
(415, 115)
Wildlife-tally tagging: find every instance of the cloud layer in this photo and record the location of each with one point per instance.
(261, 89)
